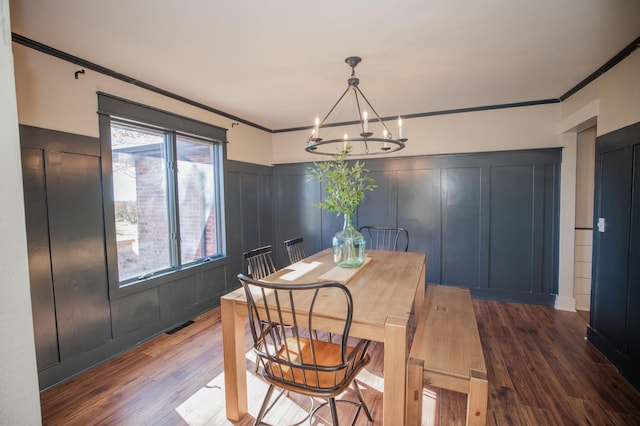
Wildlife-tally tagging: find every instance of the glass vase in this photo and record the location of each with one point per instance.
(348, 245)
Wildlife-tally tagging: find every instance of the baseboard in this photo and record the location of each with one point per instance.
(545, 299)
(628, 368)
(564, 303)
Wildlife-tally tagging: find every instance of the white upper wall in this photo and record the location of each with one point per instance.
(616, 95)
(490, 130)
(50, 97)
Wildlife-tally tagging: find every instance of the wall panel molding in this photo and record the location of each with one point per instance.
(486, 221)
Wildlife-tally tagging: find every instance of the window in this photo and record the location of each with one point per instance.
(167, 204)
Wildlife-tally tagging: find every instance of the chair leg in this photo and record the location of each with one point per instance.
(265, 404)
(334, 411)
(364, 405)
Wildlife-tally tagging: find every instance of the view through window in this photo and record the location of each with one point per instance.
(166, 200)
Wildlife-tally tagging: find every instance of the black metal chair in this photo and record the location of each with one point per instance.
(385, 238)
(259, 262)
(259, 265)
(301, 362)
(295, 249)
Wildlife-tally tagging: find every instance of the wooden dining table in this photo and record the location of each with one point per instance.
(384, 290)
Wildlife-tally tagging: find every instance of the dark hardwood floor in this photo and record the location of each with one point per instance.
(541, 371)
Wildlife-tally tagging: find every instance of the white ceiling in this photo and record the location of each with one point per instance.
(280, 63)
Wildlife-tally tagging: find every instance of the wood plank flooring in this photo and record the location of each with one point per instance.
(541, 371)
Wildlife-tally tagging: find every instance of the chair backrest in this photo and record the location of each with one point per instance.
(259, 262)
(295, 249)
(385, 238)
(281, 318)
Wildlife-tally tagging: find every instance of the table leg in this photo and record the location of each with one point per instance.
(395, 370)
(235, 364)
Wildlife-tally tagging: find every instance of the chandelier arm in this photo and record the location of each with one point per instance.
(333, 107)
(355, 93)
(374, 111)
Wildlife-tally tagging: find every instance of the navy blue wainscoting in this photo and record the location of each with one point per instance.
(486, 221)
(78, 320)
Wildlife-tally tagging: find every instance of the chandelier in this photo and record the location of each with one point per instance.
(367, 142)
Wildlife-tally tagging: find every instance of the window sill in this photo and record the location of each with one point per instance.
(166, 277)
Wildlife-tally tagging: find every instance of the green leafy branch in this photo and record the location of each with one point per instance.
(345, 184)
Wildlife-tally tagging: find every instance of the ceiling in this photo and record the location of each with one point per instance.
(280, 63)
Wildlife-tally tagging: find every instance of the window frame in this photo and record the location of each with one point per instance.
(122, 111)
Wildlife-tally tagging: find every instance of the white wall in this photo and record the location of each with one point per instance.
(50, 97)
(617, 94)
(492, 130)
(585, 170)
(582, 269)
(19, 397)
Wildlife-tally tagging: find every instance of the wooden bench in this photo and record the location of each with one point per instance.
(447, 353)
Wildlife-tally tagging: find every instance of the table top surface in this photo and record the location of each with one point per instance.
(384, 287)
